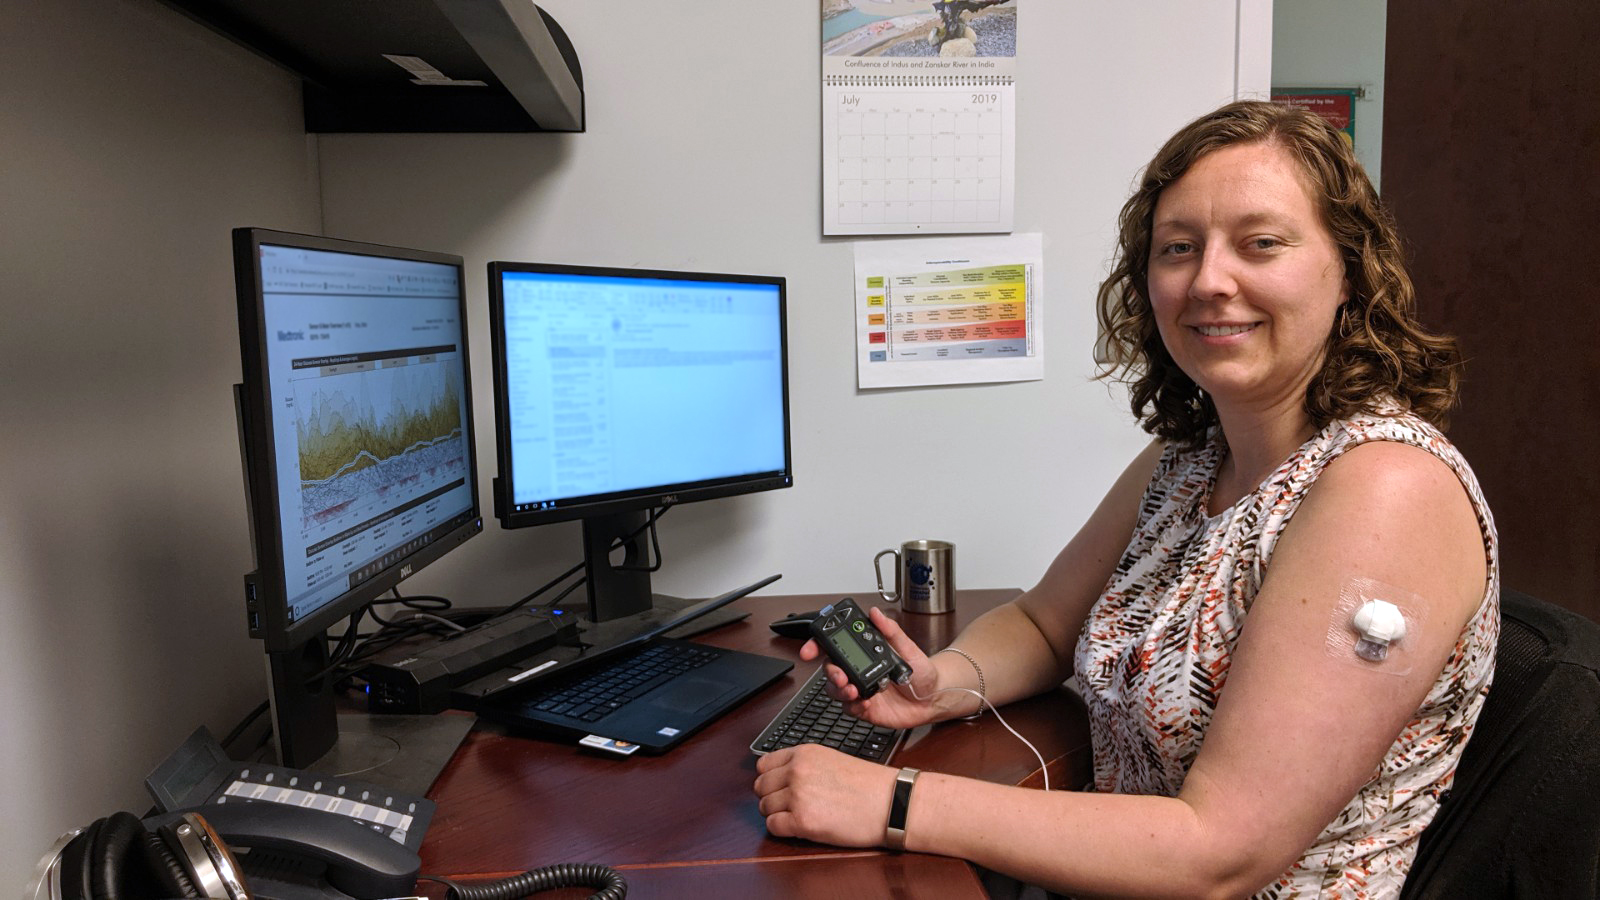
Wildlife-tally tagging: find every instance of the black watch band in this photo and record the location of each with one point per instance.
(895, 836)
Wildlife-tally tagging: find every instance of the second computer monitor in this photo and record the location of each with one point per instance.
(620, 391)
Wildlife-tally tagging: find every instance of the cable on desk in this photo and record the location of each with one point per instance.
(608, 880)
(655, 544)
(547, 586)
(417, 604)
(239, 729)
(650, 525)
(346, 645)
(556, 601)
(428, 615)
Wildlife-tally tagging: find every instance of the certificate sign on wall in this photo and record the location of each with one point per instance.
(949, 311)
(1337, 105)
(918, 116)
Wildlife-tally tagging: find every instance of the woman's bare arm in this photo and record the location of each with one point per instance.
(1296, 733)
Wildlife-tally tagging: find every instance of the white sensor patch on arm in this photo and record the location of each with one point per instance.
(1370, 625)
(1378, 623)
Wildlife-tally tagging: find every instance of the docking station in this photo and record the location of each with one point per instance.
(419, 680)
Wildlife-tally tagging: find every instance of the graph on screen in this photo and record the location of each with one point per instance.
(373, 435)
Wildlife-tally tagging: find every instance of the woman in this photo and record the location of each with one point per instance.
(1243, 742)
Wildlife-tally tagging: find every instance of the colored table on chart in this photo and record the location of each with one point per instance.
(963, 314)
(949, 311)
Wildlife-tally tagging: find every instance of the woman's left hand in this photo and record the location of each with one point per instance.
(814, 792)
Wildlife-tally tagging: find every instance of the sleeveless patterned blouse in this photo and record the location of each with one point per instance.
(1155, 651)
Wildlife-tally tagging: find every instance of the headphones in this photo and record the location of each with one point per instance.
(181, 855)
(120, 858)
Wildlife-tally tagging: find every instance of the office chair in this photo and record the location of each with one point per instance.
(1521, 819)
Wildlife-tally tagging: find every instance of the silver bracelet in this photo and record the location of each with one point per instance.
(983, 692)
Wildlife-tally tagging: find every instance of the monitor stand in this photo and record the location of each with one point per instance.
(620, 604)
(316, 729)
(663, 609)
(708, 622)
(406, 753)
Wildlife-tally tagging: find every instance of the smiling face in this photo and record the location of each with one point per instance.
(1245, 279)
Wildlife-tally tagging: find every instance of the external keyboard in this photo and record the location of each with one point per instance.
(592, 696)
(813, 717)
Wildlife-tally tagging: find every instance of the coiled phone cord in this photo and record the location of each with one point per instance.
(608, 880)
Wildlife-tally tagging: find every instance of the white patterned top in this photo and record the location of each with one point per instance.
(1156, 648)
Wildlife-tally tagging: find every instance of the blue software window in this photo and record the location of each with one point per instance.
(621, 383)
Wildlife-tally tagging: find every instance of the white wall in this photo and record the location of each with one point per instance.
(131, 141)
(1320, 44)
(702, 152)
(134, 140)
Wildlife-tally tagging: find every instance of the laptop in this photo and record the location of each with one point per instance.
(645, 691)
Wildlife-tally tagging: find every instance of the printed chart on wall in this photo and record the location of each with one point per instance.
(949, 311)
(918, 116)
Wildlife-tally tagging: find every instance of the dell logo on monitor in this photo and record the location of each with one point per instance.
(405, 571)
(669, 499)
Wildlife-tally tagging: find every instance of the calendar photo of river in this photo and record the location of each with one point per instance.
(919, 28)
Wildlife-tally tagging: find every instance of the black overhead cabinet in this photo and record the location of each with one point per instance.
(413, 65)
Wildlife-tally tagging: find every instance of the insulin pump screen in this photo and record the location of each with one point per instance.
(850, 650)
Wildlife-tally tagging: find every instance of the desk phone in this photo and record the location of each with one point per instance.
(200, 774)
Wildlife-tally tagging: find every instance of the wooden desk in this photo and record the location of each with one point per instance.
(685, 824)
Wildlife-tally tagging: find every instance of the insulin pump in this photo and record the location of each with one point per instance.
(843, 631)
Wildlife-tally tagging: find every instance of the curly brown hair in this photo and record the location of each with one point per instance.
(1376, 351)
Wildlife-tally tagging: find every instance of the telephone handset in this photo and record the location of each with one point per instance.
(288, 850)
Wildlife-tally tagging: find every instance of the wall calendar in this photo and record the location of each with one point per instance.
(918, 116)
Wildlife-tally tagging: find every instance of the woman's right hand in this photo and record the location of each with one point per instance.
(894, 705)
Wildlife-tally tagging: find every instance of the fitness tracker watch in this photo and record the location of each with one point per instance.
(895, 836)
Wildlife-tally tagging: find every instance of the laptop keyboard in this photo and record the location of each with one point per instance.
(813, 717)
(591, 696)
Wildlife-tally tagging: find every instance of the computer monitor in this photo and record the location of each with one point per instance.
(355, 416)
(623, 391)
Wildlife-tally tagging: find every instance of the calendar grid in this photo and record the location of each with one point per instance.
(904, 154)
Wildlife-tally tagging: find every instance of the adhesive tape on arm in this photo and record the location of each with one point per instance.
(1379, 623)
